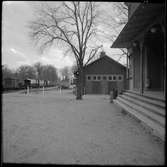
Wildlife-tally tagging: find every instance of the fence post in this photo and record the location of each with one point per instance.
(111, 96)
(43, 90)
(27, 89)
(60, 89)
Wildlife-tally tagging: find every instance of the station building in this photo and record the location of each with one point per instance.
(144, 36)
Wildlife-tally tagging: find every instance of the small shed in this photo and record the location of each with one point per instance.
(103, 75)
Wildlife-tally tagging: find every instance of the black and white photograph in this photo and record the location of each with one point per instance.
(83, 83)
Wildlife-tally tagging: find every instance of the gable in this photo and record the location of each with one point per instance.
(104, 65)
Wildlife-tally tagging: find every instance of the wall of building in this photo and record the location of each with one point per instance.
(96, 85)
(154, 61)
(152, 64)
(88, 87)
(104, 87)
(107, 68)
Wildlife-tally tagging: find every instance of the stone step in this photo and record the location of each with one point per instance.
(155, 128)
(149, 106)
(152, 96)
(157, 102)
(151, 115)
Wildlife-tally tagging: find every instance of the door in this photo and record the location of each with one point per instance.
(96, 87)
(155, 60)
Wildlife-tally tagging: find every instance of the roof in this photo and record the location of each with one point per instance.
(99, 59)
(141, 19)
(104, 57)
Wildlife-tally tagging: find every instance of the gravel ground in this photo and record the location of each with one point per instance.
(56, 128)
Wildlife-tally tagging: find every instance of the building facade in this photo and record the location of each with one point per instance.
(144, 37)
(103, 75)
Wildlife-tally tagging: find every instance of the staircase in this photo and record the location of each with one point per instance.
(149, 110)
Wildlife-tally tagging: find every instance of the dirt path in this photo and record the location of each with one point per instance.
(55, 128)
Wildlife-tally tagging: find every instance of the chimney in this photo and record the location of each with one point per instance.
(102, 54)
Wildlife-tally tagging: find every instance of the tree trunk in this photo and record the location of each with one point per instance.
(79, 92)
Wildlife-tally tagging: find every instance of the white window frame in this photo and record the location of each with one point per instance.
(97, 78)
(93, 78)
(113, 77)
(107, 77)
(121, 78)
(88, 77)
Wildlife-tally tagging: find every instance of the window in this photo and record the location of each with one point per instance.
(94, 77)
(89, 77)
(114, 78)
(119, 77)
(99, 77)
(110, 78)
(104, 78)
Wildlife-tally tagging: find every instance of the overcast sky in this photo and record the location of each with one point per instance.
(17, 48)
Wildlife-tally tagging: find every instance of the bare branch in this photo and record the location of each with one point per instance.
(72, 23)
(92, 54)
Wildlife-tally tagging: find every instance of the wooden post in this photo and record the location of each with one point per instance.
(141, 67)
(43, 90)
(60, 89)
(27, 89)
(127, 74)
(164, 35)
(111, 96)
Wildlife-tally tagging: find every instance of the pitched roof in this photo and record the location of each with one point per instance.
(140, 21)
(104, 56)
(107, 58)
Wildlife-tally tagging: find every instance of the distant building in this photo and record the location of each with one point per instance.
(103, 75)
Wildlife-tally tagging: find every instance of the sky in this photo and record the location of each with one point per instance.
(17, 48)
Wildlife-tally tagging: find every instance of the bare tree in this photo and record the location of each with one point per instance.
(113, 24)
(65, 72)
(7, 72)
(26, 71)
(38, 66)
(73, 24)
(49, 72)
